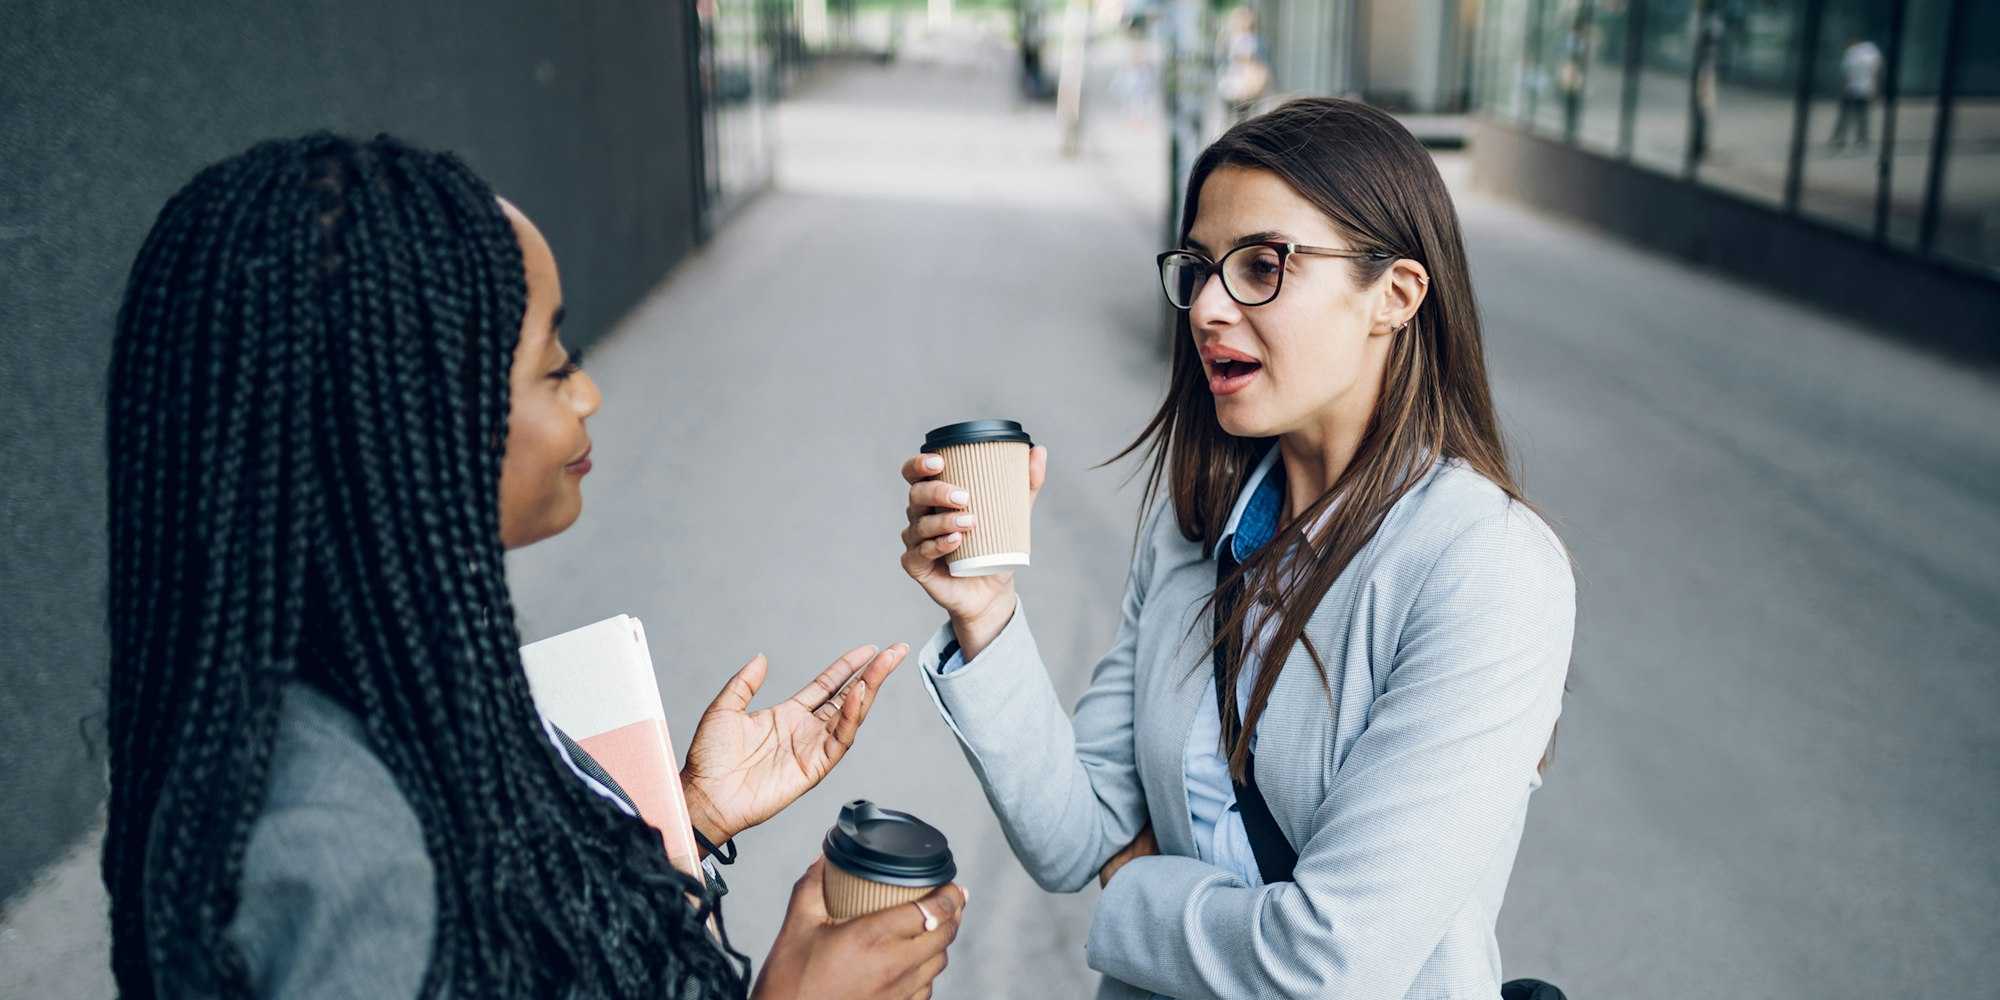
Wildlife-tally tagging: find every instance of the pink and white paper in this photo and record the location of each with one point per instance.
(597, 684)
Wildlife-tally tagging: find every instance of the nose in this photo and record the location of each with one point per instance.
(1212, 308)
(588, 401)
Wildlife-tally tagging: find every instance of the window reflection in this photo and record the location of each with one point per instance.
(1713, 91)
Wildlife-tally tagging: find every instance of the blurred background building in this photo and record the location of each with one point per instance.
(744, 194)
(1846, 151)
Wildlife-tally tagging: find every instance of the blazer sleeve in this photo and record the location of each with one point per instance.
(1066, 789)
(336, 903)
(1417, 813)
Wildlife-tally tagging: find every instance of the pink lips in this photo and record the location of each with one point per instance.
(1229, 371)
(1224, 385)
(581, 466)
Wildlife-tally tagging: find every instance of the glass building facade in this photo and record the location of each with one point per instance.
(747, 49)
(1880, 118)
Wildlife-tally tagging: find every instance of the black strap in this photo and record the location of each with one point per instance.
(1275, 857)
(716, 852)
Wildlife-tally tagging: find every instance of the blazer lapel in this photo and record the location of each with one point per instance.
(1182, 691)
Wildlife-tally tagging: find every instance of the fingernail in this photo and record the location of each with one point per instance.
(960, 496)
(951, 537)
(933, 463)
(963, 520)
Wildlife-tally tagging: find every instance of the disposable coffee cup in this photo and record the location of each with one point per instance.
(877, 858)
(989, 460)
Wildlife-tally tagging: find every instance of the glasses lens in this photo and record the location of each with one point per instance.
(1182, 275)
(1252, 274)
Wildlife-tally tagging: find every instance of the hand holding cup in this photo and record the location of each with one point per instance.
(894, 953)
(943, 516)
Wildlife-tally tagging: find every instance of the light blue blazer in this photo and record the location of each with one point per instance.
(1403, 788)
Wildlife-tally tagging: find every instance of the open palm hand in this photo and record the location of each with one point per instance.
(743, 767)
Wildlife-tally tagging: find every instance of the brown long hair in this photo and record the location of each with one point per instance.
(1378, 186)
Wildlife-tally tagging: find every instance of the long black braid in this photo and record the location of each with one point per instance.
(307, 416)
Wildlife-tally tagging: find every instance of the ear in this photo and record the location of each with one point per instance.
(1403, 289)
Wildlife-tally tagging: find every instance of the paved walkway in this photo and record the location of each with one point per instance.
(927, 256)
(1776, 767)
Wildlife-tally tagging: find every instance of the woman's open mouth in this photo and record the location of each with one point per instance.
(1228, 376)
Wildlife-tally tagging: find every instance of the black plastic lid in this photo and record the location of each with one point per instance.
(894, 848)
(974, 431)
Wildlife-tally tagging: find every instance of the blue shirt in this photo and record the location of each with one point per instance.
(1218, 826)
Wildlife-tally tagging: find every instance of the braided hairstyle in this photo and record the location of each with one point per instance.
(307, 414)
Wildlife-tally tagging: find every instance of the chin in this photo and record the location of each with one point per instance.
(1241, 421)
(553, 522)
(567, 515)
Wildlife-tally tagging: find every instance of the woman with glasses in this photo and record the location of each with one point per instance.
(1303, 768)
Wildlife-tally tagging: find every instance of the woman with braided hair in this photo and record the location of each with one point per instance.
(338, 393)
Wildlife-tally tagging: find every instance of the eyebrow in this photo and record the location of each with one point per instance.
(1261, 236)
(556, 321)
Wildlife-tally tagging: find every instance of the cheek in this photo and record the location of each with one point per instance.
(1314, 354)
(534, 455)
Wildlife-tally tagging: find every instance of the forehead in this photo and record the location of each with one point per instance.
(544, 284)
(1238, 201)
(536, 256)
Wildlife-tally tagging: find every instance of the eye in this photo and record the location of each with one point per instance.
(569, 368)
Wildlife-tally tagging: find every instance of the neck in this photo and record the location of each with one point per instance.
(1315, 455)
(1312, 463)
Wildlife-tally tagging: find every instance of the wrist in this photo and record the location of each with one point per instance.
(702, 815)
(976, 631)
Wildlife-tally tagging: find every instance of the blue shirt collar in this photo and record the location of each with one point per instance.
(1258, 509)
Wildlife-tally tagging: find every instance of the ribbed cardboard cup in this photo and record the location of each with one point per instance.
(879, 858)
(849, 895)
(989, 460)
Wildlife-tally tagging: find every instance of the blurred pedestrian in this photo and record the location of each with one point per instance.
(1860, 76)
(1244, 77)
(1704, 98)
(1573, 76)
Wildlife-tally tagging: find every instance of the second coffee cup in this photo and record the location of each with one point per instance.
(877, 858)
(989, 460)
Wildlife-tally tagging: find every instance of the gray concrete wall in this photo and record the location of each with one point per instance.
(579, 112)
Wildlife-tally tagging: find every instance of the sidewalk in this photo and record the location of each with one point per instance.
(1773, 760)
(927, 255)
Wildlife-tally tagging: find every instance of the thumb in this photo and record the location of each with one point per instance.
(1038, 470)
(946, 901)
(809, 894)
(741, 688)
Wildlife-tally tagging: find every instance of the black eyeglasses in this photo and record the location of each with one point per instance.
(1251, 273)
